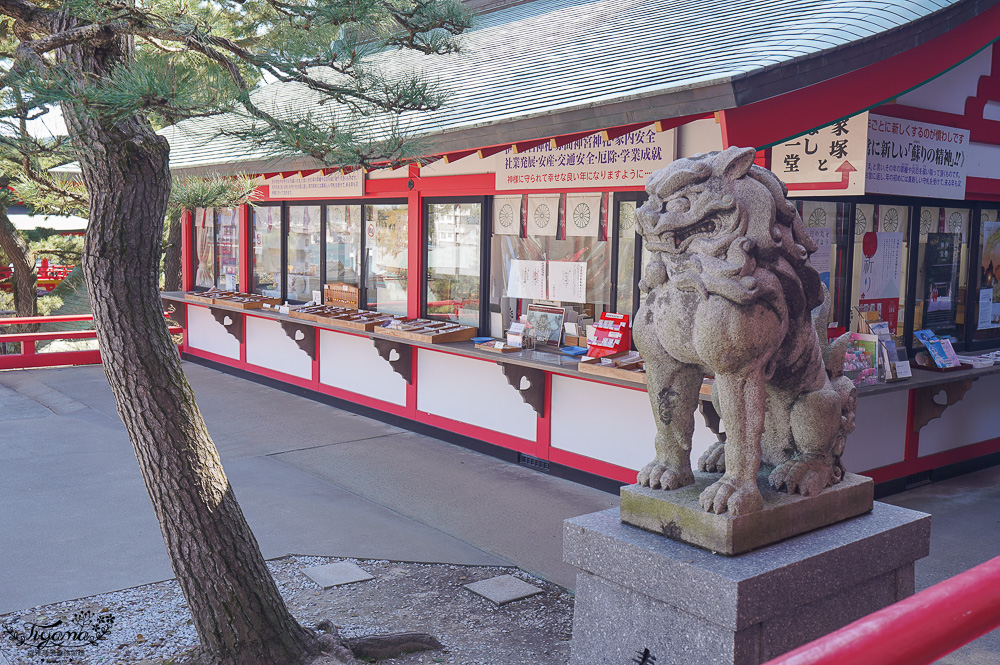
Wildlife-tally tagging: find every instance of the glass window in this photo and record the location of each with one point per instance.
(387, 231)
(267, 251)
(881, 248)
(204, 247)
(988, 319)
(942, 266)
(302, 271)
(822, 220)
(549, 265)
(343, 244)
(227, 243)
(626, 257)
(454, 241)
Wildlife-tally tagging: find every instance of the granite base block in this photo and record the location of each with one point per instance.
(678, 513)
(638, 592)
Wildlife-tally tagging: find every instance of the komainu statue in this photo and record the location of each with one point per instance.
(729, 293)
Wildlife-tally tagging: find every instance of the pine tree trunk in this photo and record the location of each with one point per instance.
(172, 254)
(25, 279)
(240, 617)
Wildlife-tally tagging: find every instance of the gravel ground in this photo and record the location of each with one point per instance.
(152, 624)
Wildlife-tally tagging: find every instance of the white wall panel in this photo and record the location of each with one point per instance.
(880, 436)
(268, 346)
(610, 423)
(351, 363)
(948, 92)
(474, 392)
(975, 418)
(207, 334)
(699, 136)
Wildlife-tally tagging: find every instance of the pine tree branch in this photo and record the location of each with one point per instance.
(27, 12)
(93, 32)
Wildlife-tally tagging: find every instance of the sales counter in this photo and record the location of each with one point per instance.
(537, 408)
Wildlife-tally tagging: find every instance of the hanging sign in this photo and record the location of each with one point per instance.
(317, 185)
(912, 158)
(543, 215)
(507, 215)
(881, 264)
(827, 161)
(588, 162)
(583, 215)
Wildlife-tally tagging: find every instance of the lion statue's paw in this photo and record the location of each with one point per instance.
(806, 476)
(657, 475)
(714, 459)
(725, 495)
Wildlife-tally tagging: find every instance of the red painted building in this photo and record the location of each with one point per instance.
(882, 118)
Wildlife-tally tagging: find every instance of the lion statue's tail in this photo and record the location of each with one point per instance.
(833, 359)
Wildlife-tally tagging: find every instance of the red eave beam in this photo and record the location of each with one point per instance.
(773, 120)
(915, 631)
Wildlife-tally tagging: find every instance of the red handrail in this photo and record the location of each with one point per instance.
(45, 319)
(915, 631)
(28, 357)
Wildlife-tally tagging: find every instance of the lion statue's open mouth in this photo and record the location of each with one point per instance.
(729, 292)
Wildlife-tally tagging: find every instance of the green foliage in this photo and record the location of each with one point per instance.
(67, 250)
(214, 191)
(193, 58)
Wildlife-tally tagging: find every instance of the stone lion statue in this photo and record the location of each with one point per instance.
(728, 293)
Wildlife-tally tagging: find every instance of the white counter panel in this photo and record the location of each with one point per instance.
(474, 392)
(880, 436)
(975, 418)
(610, 423)
(268, 346)
(351, 363)
(207, 334)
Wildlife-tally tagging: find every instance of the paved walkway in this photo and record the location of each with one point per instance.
(313, 479)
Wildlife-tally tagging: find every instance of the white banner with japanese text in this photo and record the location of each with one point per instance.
(916, 158)
(588, 162)
(828, 161)
(317, 186)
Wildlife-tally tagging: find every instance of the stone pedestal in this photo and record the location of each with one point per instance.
(641, 593)
(678, 514)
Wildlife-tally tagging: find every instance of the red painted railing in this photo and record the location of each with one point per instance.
(28, 357)
(915, 631)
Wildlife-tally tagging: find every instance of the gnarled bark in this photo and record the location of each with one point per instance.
(240, 617)
(25, 279)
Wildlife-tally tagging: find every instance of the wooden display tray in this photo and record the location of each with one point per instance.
(490, 346)
(424, 330)
(319, 313)
(935, 368)
(246, 301)
(633, 371)
(231, 298)
(207, 297)
(342, 317)
(359, 320)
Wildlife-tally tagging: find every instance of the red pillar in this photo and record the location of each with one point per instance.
(245, 241)
(187, 252)
(415, 249)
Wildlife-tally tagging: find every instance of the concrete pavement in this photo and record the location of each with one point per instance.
(313, 479)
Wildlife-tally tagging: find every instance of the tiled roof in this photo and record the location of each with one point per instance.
(570, 57)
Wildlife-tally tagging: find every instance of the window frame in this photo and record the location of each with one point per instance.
(614, 236)
(485, 243)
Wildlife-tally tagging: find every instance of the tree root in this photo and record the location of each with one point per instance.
(337, 650)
